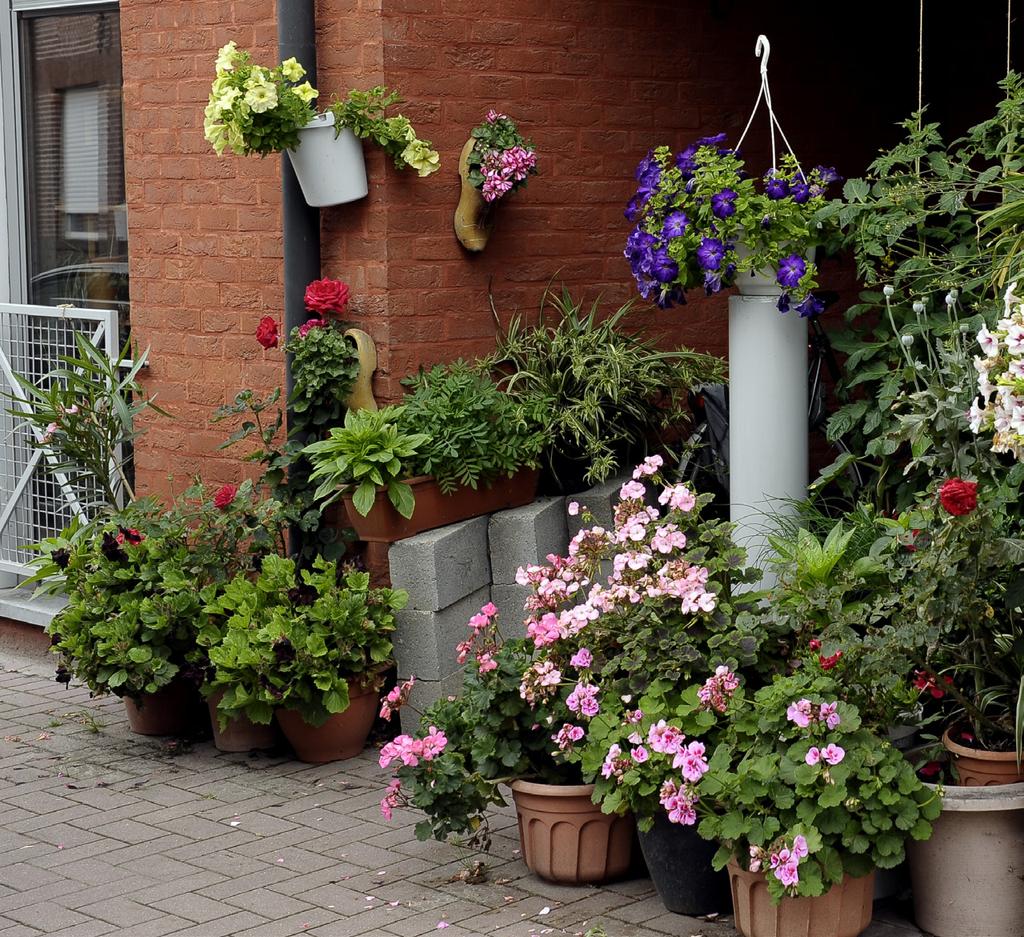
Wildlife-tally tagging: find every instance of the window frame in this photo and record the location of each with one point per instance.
(13, 220)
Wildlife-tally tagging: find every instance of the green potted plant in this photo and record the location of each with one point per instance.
(456, 447)
(255, 109)
(595, 639)
(805, 803)
(136, 585)
(309, 646)
(605, 394)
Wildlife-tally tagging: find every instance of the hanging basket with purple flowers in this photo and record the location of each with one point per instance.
(702, 221)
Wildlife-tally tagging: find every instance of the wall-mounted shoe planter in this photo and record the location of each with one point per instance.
(361, 397)
(474, 218)
(330, 171)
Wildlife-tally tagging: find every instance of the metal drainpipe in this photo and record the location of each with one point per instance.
(296, 36)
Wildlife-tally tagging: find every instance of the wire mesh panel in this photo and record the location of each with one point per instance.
(34, 501)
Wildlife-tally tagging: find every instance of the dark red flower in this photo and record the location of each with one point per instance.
(930, 770)
(814, 644)
(827, 663)
(927, 681)
(266, 332)
(958, 497)
(129, 535)
(224, 496)
(326, 296)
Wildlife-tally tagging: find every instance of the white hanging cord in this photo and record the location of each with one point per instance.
(762, 50)
(1009, 24)
(920, 63)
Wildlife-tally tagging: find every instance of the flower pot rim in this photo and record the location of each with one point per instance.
(552, 790)
(962, 798)
(321, 120)
(982, 754)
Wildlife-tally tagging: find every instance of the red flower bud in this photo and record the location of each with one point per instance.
(815, 644)
(224, 496)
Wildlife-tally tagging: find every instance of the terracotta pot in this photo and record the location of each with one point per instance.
(384, 524)
(967, 877)
(566, 838)
(173, 710)
(342, 736)
(679, 862)
(843, 911)
(976, 767)
(241, 734)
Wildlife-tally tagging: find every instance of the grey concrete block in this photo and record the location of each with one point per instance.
(510, 600)
(439, 567)
(425, 641)
(600, 501)
(424, 694)
(526, 535)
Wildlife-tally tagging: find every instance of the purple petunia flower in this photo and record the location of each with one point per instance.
(711, 141)
(801, 192)
(723, 204)
(712, 282)
(783, 304)
(644, 166)
(810, 307)
(710, 253)
(791, 269)
(827, 175)
(633, 207)
(776, 187)
(669, 297)
(675, 225)
(686, 163)
(766, 222)
(663, 267)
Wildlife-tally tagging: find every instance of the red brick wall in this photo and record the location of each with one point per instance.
(594, 83)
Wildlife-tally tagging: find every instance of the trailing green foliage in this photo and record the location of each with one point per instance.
(602, 391)
(295, 638)
(325, 366)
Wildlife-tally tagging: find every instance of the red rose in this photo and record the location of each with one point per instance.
(958, 497)
(814, 644)
(326, 296)
(266, 332)
(224, 496)
(827, 663)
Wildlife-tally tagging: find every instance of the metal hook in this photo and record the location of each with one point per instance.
(762, 50)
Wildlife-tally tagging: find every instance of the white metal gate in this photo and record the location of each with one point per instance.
(34, 502)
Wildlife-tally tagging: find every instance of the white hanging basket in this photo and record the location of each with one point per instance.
(330, 171)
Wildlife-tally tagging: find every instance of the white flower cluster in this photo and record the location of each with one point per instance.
(1001, 380)
(241, 90)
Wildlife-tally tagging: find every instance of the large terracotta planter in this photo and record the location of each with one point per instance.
(172, 710)
(342, 736)
(680, 865)
(241, 734)
(969, 877)
(566, 838)
(384, 524)
(978, 768)
(843, 911)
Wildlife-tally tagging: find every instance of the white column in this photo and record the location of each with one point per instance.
(768, 459)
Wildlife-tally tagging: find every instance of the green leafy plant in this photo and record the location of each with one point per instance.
(913, 224)
(602, 390)
(369, 452)
(475, 432)
(254, 109)
(798, 789)
(363, 112)
(296, 638)
(136, 586)
(324, 370)
(83, 415)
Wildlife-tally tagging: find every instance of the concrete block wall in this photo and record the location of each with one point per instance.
(451, 572)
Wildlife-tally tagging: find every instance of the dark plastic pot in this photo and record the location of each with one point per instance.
(680, 865)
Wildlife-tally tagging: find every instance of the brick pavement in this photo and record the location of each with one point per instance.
(106, 833)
